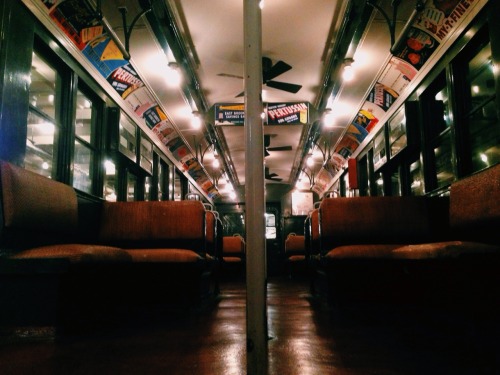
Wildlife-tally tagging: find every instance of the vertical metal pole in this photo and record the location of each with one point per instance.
(254, 193)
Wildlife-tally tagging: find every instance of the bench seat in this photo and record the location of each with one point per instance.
(408, 249)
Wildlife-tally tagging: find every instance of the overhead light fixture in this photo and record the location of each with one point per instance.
(196, 120)
(174, 77)
(310, 161)
(261, 4)
(348, 73)
(216, 163)
(328, 118)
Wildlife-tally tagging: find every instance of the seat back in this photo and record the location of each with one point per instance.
(233, 246)
(382, 220)
(35, 210)
(475, 206)
(295, 245)
(154, 224)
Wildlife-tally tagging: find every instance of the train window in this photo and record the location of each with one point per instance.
(146, 153)
(270, 226)
(379, 184)
(438, 133)
(177, 186)
(42, 129)
(395, 183)
(132, 190)
(233, 223)
(147, 188)
(442, 144)
(416, 179)
(84, 152)
(481, 116)
(379, 152)
(109, 181)
(128, 137)
(397, 132)
(443, 157)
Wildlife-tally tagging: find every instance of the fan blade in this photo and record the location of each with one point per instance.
(267, 140)
(274, 179)
(277, 69)
(229, 75)
(266, 153)
(240, 94)
(280, 148)
(289, 87)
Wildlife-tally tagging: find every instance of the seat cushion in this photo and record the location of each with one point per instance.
(296, 258)
(76, 253)
(295, 245)
(448, 249)
(362, 251)
(164, 256)
(232, 259)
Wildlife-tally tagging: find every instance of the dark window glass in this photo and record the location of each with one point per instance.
(482, 117)
(42, 129)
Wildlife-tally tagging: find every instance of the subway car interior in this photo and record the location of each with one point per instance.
(249, 187)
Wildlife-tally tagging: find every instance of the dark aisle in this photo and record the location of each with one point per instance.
(305, 339)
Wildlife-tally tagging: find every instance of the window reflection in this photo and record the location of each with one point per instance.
(482, 119)
(84, 138)
(416, 179)
(131, 187)
(42, 130)
(110, 181)
(270, 226)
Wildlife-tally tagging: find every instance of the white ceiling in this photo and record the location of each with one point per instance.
(302, 34)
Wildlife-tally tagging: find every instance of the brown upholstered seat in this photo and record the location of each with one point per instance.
(40, 220)
(233, 249)
(295, 248)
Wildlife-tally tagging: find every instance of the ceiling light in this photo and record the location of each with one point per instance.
(196, 120)
(261, 4)
(348, 73)
(174, 77)
(216, 163)
(328, 118)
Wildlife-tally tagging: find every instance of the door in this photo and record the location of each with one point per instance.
(275, 254)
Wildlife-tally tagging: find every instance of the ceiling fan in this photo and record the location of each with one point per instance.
(270, 71)
(271, 176)
(267, 143)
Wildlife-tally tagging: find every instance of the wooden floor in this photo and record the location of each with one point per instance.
(305, 338)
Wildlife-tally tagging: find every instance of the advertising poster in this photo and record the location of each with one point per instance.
(322, 180)
(287, 113)
(302, 203)
(417, 48)
(125, 80)
(73, 17)
(212, 192)
(179, 150)
(103, 53)
(357, 133)
(382, 96)
(154, 116)
(397, 75)
(229, 114)
(337, 161)
(140, 100)
(365, 120)
(441, 16)
(165, 132)
(346, 146)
